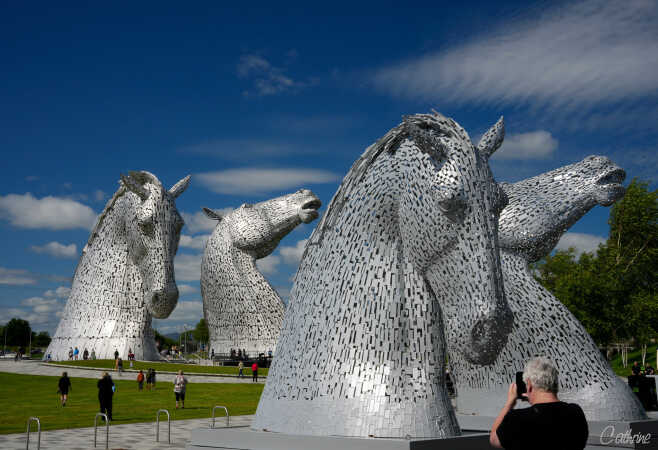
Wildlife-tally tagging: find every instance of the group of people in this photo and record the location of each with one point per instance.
(107, 389)
(644, 385)
(74, 353)
(149, 378)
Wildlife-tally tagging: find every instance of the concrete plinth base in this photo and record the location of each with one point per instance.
(246, 439)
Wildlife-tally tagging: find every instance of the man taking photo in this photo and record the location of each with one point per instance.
(548, 423)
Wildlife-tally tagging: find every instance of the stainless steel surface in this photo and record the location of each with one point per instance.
(404, 264)
(125, 275)
(242, 310)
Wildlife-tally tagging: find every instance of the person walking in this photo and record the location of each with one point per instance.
(70, 353)
(93, 354)
(106, 391)
(64, 386)
(254, 372)
(119, 366)
(85, 354)
(76, 352)
(116, 354)
(180, 384)
(153, 379)
(240, 369)
(140, 381)
(149, 379)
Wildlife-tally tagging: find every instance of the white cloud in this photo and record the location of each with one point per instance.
(16, 277)
(57, 250)
(269, 264)
(186, 289)
(198, 221)
(267, 79)
(197, 242)
(26, 211)
(186, 312)
(260, 181)
(292, 255)
(533, 145)
(188, 267)
(60, 292)
(575, 55)
(581, 242)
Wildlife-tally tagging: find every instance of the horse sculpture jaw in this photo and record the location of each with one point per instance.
(162, 302)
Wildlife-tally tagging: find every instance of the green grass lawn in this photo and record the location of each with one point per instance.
(162, 366)
(31, 395)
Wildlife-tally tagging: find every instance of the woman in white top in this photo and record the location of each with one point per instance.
(180, 383)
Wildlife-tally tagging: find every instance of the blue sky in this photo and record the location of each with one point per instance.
(261, 100)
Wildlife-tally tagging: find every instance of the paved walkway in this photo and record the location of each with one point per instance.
(128, 436)
(38, 368)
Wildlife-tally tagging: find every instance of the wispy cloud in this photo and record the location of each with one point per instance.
(580, 242)
(54, 213)
(532, 145)
(57, 250)
(292, 255)
(269, 265)
(267, 79)
(195, 242)
(198, 221)
(60, 292)
(16, 277)
(188, 267)
(260, 181)
(573, 56)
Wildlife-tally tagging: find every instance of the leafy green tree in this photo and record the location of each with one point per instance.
(18, 332)
(163, 341)
(613, 292)
(200, 332)
(42, 339)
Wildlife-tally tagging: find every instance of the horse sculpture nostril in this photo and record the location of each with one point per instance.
(162, 303)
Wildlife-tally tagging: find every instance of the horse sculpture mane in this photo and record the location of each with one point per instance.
(540, 211)
(386, 279)
(125, 273)
(242, 310)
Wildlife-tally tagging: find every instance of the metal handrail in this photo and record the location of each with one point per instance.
(107, 429)
(157, 425)
(29, 421)
(213, 415)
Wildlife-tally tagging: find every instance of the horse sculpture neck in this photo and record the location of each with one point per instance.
(242, 310)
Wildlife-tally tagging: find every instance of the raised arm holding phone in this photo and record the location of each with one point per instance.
(548, 423)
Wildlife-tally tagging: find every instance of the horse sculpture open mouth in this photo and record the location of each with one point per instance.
(309, 210)
(610, 185)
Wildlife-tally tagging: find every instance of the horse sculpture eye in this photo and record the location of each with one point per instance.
(146, 227)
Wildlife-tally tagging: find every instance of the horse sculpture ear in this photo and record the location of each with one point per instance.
(135, 186)
(492, 139)
(212, 214)
(178, 188)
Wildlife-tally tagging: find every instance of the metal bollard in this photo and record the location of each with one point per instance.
(107, 429)
(29, 421)
(213, 415)
(157, 426)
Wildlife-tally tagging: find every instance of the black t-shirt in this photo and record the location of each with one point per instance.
(552, 426)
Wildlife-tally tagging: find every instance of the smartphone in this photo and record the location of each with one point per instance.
(520, 386)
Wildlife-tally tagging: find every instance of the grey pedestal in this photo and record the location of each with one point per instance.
(244, 438)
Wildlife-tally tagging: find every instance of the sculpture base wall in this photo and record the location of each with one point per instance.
(246, 439)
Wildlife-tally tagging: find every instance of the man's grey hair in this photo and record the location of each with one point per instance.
(543, 374)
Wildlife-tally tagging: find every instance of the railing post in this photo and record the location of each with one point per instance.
(213, 415)
(29, 421)
(107, 429)
(157, 425)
